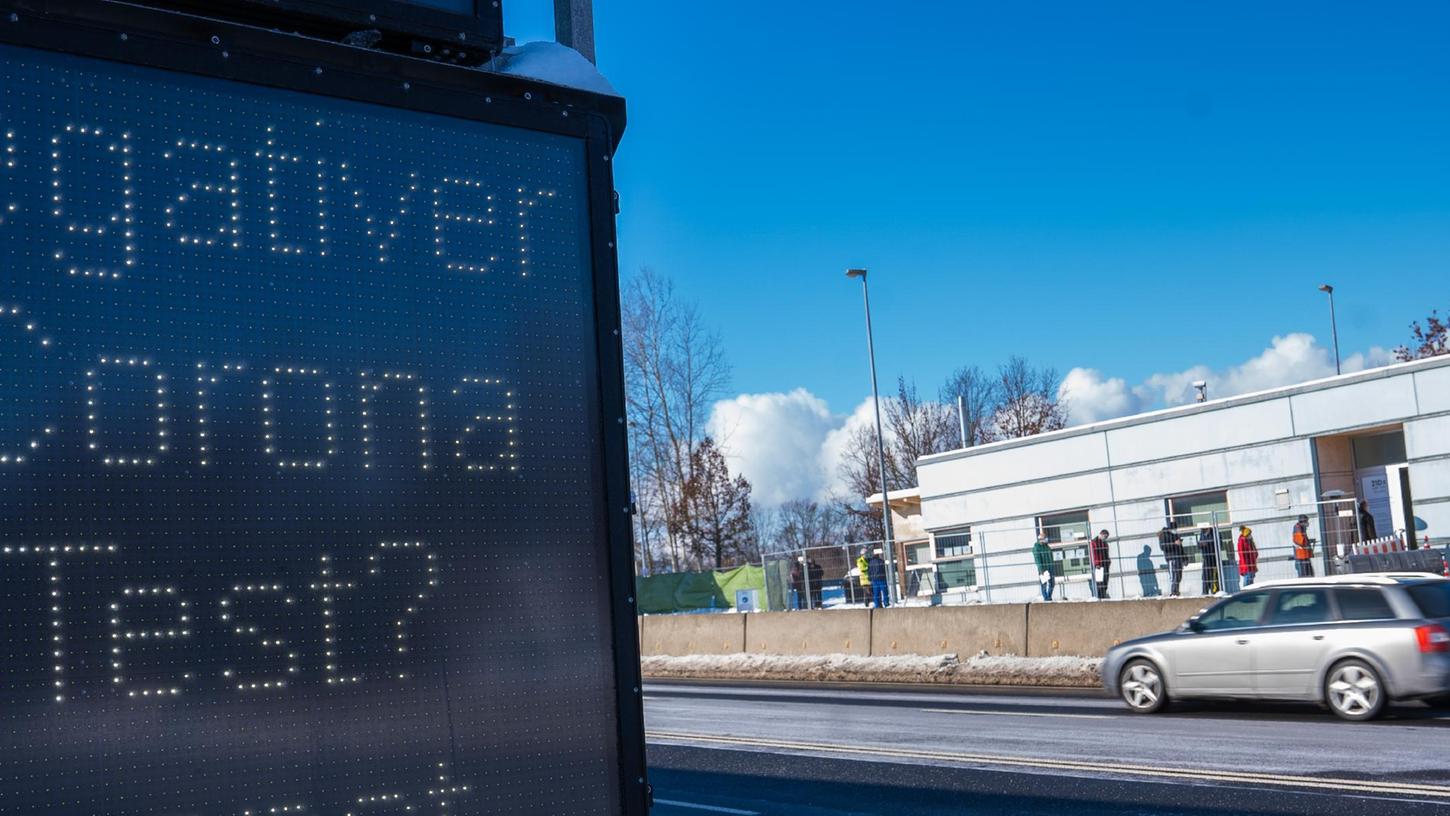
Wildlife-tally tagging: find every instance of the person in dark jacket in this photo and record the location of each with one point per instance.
(797, 585)
(1208, 551)
(876, 569)
(1042, 557)
(1366, 522)
(816, 573)
(1102, 560)
(1171, 543)
(1248, 556)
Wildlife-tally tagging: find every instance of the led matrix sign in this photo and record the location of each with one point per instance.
(299, 440)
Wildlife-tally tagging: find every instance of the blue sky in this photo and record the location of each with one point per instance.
(1132, 187)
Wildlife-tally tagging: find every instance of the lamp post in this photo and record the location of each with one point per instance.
(1333, 324)
(888, 548)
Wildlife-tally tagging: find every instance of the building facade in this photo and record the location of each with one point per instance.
(1377, 440)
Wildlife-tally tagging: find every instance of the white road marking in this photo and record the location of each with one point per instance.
(710, 808)
(986, 713)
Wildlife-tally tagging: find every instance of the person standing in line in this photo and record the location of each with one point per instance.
(1042, 557)
(1171, 543)
(876, 569)
(1248, 556)
(863, 577)
(816, 573)
(1366, 522)
(1102, 560)
(1208, 550)
(1303, 549)
(797, 585)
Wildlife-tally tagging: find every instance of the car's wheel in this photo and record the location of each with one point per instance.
(1141, 686)
(1354, 690)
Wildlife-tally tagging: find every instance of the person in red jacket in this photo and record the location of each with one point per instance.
(1248, 556)
(1102, 563)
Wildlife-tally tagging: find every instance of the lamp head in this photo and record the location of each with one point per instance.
(856, 273)
(1326, 288)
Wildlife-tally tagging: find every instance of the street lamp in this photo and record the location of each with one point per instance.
(1333, 324)
(889, 549)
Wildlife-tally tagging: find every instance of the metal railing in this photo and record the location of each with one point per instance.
(997, 564)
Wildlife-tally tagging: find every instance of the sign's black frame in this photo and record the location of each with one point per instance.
(179, 42)
(480, 29)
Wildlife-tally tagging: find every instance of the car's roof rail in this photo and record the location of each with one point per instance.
(1374, 578)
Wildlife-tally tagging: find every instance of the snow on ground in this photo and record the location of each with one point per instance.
(981, 670)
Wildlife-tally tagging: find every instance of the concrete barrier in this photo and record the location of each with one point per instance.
(1084, 629)
(1089, 629)
(960, 630)
(843, 631)
(691, 634)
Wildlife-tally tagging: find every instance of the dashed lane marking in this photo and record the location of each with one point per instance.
(989, 713)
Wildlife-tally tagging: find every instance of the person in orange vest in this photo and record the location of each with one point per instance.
(1303, 549)
(1248, 556)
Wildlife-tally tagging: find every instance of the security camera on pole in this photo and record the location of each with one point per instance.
(889, 551)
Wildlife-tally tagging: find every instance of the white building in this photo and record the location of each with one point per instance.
(1381, 436)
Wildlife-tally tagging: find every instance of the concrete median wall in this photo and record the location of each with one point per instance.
(691, 634)
(960, 630)
(1090, 629)
(1084, 629)
(844, 631)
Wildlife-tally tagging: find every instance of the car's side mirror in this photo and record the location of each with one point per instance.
(1193, 625)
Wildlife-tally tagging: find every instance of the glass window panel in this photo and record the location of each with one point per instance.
(1235, 613)
(1379, 450)
(1301, 606)
(1363, 604)
(956, 574)
(954, 544)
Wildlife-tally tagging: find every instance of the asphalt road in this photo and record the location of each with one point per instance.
(754, 751)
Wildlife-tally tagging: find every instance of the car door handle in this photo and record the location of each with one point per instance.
(1242, 641)
(1318, 637)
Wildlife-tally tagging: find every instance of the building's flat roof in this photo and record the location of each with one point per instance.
(896, 495)
(1325, 384)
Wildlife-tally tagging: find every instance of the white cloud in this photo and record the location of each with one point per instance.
(1289, 359)
(789, 444)
(775, 440)
(1091, 397)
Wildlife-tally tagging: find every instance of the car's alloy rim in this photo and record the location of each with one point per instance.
(1354, 690)
(1142, 686)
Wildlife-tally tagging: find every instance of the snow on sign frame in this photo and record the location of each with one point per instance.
(313, 492)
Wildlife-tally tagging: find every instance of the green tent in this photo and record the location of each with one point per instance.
(694, 591)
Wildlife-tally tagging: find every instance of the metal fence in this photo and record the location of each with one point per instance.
(816, 577)
(1198, 556)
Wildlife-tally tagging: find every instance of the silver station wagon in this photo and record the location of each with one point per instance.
(1352, 642)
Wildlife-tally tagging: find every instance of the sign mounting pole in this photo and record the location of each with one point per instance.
(574, 25)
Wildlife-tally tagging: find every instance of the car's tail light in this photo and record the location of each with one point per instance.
(1433, 638)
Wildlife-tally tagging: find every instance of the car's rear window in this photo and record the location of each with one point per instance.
(1363, 604)
(1433, 599)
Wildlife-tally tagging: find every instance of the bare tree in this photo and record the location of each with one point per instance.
(917, 427)
(1029, 402)
(913, 428)
(675, 369)
(807, 524)
(1430, 340)
(976, 395)
(714, 513)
